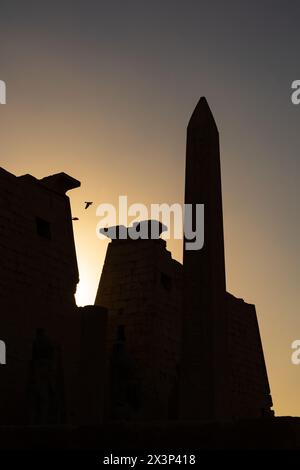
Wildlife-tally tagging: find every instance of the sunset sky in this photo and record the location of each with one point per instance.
(103, 91)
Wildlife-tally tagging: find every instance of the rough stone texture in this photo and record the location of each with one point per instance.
(38, 278)
(141, 286)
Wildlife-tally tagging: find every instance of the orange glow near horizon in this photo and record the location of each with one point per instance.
(111, 110)
(258, 284)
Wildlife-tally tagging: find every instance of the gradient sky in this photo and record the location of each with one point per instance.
(103, 90)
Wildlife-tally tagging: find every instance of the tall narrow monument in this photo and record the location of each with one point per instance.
(205, 349)
(223, 372)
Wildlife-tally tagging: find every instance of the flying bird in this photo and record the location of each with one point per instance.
(75, 218)
(88, 204)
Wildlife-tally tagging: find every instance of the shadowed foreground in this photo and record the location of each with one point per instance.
(271, 434)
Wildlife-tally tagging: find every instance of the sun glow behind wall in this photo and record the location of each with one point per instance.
(104, 92)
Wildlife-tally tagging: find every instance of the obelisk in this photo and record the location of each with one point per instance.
(204, 367)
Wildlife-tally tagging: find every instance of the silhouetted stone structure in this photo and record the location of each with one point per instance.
(46, 382)
(141, 287)
(54, 348)
(248, 380)
(210, 342)
(163, 342)
(205, 323)
(223, 372)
